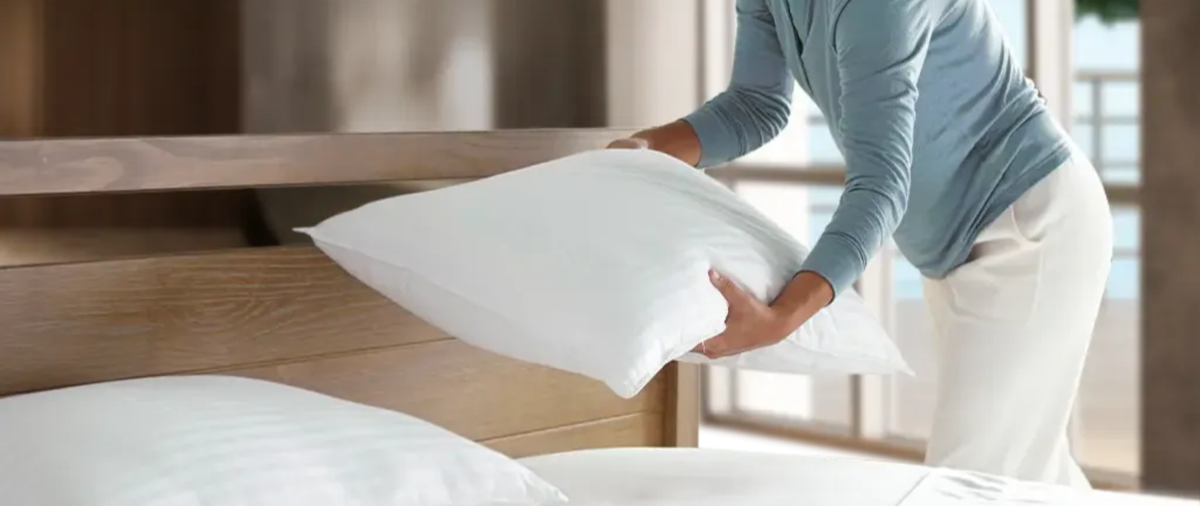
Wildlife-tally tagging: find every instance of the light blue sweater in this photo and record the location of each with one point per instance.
(940, 130)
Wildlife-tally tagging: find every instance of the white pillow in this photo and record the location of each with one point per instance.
(225, 441)
(595, 264)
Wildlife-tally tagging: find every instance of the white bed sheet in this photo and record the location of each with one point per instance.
(704, 477)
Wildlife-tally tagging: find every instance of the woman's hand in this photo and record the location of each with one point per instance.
(629, 143)
(676, 139)
(751, 324)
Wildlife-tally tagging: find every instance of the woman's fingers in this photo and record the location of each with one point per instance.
(717, 347)
(629, 143)
(733, 293)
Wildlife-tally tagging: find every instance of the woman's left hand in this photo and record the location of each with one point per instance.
(752, 324)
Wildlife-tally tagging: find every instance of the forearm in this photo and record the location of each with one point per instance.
(863, 223)
(865, 219)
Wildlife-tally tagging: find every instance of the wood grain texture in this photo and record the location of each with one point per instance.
(87, 322)
(472, 392)
(39, 167)
(682, 421)
(118, 68)
(21, 47)
(629, 431)
(1170, 247)
(290, 315)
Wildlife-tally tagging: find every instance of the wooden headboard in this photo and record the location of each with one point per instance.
(287, 313)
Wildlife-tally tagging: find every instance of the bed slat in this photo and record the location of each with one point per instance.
(64, 166)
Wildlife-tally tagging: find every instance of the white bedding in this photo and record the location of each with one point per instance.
(676, 477)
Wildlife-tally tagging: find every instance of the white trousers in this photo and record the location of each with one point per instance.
(1013, 328)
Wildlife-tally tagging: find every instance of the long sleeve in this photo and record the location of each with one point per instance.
(880, 47)
(757, 104)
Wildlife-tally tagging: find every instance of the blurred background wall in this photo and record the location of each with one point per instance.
(86, 68)
(148, 67)
(418, 65)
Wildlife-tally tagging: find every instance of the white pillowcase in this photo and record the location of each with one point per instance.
(226, 441)
(595, 264)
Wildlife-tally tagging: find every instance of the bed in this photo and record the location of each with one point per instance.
(289, 315)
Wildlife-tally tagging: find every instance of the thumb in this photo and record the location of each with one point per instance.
(732, 293)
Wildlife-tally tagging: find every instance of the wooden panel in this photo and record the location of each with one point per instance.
(117, 67)
(21, 52)
(1171, 247)
(292, 316)
(472, 392)
(62, 228)
(640, 429)
(140, 67)
(682, 423)
(136, 164)
(174, 209)
(82, 323)
(36, 246)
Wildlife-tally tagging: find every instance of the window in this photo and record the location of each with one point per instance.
(1106, 98)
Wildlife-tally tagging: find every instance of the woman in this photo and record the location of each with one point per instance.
(950, 151)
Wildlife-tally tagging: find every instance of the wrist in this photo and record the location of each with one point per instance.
(805, 295)
(676, 139)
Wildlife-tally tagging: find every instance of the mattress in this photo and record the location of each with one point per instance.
(704, 477)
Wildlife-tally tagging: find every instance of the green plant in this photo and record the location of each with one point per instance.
(1109, 11)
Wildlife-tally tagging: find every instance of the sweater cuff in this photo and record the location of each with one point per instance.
(836, 260)
(713, 134)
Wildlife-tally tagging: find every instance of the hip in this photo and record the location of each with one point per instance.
(940, 242)
(1065, 213)
(1046, 258)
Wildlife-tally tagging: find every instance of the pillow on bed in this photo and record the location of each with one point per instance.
(226, 441)
(595, 264)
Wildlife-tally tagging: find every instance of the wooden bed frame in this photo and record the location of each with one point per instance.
(287, 313)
